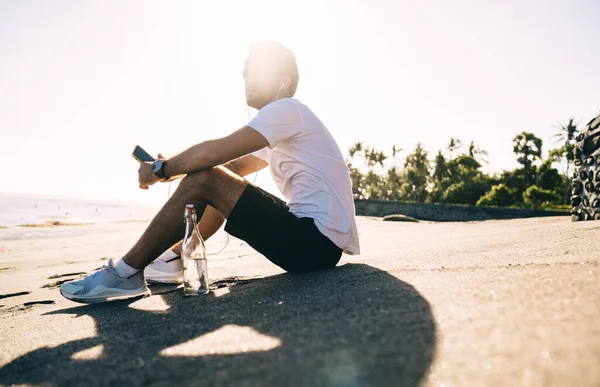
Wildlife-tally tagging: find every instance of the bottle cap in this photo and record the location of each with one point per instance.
(190, 211)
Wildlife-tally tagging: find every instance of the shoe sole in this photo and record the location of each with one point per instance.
(98, 298)
(163, 281)
(157, 278)
(585, 192)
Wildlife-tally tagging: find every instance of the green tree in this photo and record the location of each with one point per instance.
(500, 195)
(440, 168)
(415, 175)
(355, 174)
(395, 152)
(367, 183)
(536, 197)
(438, 178)
(459, 180)
(463, 167)
(463, 182)
(374, 185)
(549, 178)
(453, 145)
(357, 182)
(528, 147)
(468, 182)
(517, 182)
(567, 132)
(393, 182)
(373, 157)
(356, 148)
(476, 152)
(465, 192)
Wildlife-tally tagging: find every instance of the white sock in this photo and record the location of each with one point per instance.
(124, 270)
(169, 254)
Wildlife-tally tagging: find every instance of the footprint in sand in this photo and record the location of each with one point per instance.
(43, 302)
(13, 294)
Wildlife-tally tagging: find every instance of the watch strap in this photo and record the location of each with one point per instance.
(161, 172)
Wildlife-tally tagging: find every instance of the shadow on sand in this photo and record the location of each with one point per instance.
(349, 326)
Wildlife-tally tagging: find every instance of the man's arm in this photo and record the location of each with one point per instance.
(211, 153)
(246, 165)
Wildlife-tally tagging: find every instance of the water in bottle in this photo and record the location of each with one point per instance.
(193, 254)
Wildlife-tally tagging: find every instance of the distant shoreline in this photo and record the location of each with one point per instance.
(88, 199)
(57, 223)
(39, 211)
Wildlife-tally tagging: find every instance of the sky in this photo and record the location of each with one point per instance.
(83, 82)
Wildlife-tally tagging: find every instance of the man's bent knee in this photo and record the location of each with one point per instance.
(203, 179)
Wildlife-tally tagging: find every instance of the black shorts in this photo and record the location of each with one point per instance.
(266, 223)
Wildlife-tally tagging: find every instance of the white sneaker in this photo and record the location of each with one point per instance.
(165, 272)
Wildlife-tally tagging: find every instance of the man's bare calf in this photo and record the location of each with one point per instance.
(217, 187)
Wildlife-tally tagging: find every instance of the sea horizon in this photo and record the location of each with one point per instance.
(30, 210)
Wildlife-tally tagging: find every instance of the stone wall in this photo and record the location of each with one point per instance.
(446, 212)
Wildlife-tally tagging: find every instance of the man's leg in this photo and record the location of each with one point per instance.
(217, 187)
(211, 222)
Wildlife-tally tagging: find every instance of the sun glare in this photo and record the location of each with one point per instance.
(263, 20)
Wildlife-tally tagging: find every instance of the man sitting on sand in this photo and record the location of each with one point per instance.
(310, 232)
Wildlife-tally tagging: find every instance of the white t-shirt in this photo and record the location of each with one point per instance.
(309, 169)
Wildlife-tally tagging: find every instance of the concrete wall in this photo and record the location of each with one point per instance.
(445, 212)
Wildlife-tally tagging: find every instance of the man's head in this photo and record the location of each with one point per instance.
(270, 73)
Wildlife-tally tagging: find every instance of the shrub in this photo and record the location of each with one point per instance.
(499, 195)
(535, 197)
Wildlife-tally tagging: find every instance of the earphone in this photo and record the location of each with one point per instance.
(279, 91)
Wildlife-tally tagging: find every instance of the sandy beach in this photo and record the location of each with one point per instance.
(494, 303)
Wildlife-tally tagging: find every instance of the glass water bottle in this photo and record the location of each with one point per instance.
(193, 254)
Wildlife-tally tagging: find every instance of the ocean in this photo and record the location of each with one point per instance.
(22, 217)
(22, 210)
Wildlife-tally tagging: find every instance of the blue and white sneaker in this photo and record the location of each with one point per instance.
(105, 285)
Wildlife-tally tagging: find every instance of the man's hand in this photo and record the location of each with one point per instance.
(146, 176)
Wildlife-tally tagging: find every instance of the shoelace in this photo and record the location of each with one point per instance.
(98, 272)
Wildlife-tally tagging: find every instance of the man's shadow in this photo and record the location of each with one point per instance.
(354, 325)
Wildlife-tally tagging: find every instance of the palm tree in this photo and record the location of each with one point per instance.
(440, 170)
(528, 147)
(395, 151)
(356, 148)
(475, 151)
(566, 135)
(453, 145)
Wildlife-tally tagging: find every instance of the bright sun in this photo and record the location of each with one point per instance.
(262, 20)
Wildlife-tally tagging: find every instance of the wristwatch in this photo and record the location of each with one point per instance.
(158, 167)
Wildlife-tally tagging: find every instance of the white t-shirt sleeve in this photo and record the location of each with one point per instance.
(277, 122)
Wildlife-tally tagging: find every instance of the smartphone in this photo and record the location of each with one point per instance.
(141, 155)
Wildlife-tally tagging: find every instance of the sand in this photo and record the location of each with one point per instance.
(494, 303)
